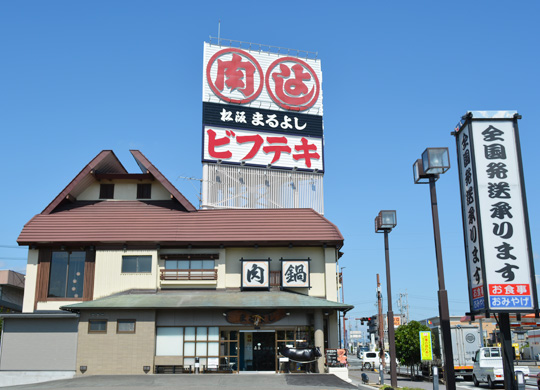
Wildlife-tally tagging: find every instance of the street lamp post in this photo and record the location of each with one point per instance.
(434, 162)
(384, 223)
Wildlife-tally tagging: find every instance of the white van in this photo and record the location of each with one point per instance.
(488, 367)
(371, 360)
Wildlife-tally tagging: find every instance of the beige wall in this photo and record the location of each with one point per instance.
(321, 262)
(109, 278)
(111, 353)
(30, 282)
(125, 190)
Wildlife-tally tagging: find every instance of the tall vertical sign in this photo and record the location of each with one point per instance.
(498, 248)
(262, 116)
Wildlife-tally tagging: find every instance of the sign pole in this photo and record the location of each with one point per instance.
(507, 351)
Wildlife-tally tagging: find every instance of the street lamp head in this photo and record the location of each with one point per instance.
(420, 176)
(385, 221)
(435, 161)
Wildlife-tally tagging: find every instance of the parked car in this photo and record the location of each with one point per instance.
(360, 351)
(371, 359)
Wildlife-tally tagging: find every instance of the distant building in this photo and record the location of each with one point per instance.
(11, 291)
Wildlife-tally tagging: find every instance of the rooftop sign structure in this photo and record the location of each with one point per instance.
(262, 113)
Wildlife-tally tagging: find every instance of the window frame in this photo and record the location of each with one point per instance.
(144, 190)
(126, 320)
(95, 320)
(67, 273)
(137, 265)
(104, 189)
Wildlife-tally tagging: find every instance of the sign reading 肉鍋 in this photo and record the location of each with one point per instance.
(495, 221)
(426, 352)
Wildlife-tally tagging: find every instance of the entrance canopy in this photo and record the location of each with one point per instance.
(210, 300)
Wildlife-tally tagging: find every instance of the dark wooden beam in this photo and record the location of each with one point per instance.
(123, 176)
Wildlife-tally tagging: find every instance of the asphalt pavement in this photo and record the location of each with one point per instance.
(246, 381)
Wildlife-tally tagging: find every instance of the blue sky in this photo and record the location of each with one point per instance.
(79, 77)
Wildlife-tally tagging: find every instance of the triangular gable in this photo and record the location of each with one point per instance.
(147, 166)
(105, 162)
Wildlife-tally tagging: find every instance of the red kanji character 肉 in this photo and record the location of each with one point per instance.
(239, 74)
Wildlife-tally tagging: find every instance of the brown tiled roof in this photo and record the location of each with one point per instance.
(163, 222)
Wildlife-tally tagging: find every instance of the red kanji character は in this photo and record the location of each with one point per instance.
(276, 149)
(213, 143)
(257, 142)
(239, 74)
(294, 91)
(292, 84)
(305, 149)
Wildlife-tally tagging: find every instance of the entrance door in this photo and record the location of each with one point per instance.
(264, 351)
(258, 351)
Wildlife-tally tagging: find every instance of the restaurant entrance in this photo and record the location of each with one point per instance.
(258, 350)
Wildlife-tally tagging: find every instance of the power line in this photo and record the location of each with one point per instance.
(12, 247)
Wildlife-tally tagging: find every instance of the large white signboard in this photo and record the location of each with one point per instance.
(255, 274)
(262, 79)
(470, 221)
(264, 149)
(499, 255)
(295, 273)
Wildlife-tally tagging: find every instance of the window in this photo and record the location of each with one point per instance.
(144, 191)
(191, 342)
(169, 341)
(125, 326)
(136, 264)
(189, 264)
(106, 191)
(66, 278)
(97, 326)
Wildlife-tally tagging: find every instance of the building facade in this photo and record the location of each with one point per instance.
(130, 278)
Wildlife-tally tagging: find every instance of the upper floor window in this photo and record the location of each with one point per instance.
(136, 264)
(106, 191)
(66, 278)
(189, 264)
(144, 191)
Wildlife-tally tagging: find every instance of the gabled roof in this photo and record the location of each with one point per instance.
(147, 166)
(159, 222)
(106, 162)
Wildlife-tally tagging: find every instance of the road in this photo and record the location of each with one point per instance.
(356, 371)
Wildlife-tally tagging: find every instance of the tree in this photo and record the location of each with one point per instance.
(408, 343)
